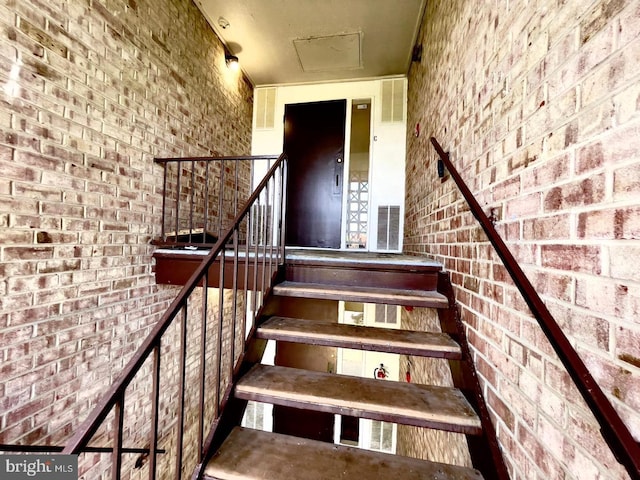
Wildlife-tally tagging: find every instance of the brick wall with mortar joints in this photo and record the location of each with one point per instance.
(91, 92)
(540, 114)
(197, 207)
(426, 443)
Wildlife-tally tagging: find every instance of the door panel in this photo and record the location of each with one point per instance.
(314, 142)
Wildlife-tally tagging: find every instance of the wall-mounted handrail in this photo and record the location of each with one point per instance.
(613, 429)
(245, 278)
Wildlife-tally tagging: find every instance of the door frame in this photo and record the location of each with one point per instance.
(347, 165)
(387, 155)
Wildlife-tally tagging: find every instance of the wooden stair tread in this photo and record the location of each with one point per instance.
(404, 342)
(256, 455)
(362, 260)
(354, 293)
(407, 403)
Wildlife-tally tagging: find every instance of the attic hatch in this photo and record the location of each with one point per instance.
(335, 52)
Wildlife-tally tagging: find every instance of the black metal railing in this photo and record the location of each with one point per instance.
(171, 390)
(613, 429)
(201, 196)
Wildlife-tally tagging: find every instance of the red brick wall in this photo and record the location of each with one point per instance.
(91, 92)
(538, 104)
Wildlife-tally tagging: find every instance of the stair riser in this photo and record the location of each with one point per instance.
(377, 278)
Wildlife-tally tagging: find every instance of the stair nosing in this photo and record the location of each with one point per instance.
(436, 344)
(249, 453)
(391, 296)
(414, 411)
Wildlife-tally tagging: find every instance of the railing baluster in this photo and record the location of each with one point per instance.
(164, 202)
(191, 200)
(183, 375)
(246, 278)
(283, 203)
(265, 235)
(221, 199)
(273, 212)
(235, 190)
(234, 304)
(155, 399)
(178, 179)
(205, 225)
(118, 424)
(220, 326)
(255, 233)
(203, 363)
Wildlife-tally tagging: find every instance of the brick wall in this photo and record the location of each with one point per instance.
(538, 104)
(91, 92)
(427, 443)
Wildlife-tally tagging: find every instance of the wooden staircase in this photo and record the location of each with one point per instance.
(241, 453)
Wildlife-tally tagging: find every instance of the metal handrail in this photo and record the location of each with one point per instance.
(193, 188)
(615, 432)
(268, 241)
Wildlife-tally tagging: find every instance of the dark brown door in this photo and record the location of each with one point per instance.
(314, 143)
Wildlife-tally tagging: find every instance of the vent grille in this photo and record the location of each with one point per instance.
(389, 227)
(265, 108)
(393, 100)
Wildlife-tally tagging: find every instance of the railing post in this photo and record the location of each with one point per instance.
(205, 222)
(234, 303)
(178, 180)
(219, 380)
(256, 234)
(243, 322)
(191, 201)
(118, 424)
(221, 199)
(283, 208)
(155, 400)
(265, 234)
(235, 190)
(203, 362)
(164, 201)
(183, 375)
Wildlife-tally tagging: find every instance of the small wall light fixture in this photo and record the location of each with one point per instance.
(416, 55)
(224, 23)
(232, 61)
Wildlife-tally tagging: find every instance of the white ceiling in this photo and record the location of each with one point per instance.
(302, 41)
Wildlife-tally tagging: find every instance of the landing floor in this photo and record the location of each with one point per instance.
(303, 255)
(356, 256)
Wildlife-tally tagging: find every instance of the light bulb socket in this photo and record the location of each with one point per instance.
(231, 60)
